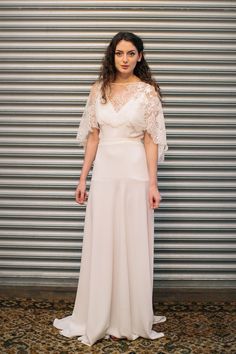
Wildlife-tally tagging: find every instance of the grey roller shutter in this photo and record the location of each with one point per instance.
(50, 54)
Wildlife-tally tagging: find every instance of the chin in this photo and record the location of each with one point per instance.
(127, 71)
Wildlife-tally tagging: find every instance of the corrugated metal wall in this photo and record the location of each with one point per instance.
(50, 54)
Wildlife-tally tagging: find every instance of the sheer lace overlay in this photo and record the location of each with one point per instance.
(155, 123)
(132, 109)
(88, 119)
(121, 94)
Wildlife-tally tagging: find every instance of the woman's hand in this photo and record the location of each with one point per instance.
(81, 195)
(154, 197)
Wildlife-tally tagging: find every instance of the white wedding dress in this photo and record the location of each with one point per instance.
(115, 288)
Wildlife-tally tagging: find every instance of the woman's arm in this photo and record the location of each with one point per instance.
(154, 140)
(90, 153)
(151, 150)
(88, 137)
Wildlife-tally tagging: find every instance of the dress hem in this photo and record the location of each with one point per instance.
(83, 338)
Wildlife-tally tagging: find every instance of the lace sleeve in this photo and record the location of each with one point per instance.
(88, 120)
(155, 122)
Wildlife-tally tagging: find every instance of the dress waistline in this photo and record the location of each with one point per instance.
(104, 141)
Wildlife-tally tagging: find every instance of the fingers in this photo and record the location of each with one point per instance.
(155, 202)
(154, 205)
(81, 196)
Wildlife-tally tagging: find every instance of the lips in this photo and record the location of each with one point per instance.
(125, 66)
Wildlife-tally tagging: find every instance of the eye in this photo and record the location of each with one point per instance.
(118, 54)
(132, 54)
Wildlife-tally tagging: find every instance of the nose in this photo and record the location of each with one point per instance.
(125, 59)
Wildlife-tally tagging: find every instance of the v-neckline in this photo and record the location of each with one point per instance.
(122, 107)
(126, 103)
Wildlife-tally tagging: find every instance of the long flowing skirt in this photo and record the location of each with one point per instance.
(115, 288)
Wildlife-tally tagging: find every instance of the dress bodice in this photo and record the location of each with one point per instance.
(130, 110)
(123, 115)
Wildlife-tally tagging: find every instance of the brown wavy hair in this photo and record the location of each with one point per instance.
(107, 73)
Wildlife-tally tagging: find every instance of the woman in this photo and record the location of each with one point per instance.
(123, 132)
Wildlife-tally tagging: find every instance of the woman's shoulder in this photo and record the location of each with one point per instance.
(95, 88)
(95, 85)
(150, 90)
(148, 87)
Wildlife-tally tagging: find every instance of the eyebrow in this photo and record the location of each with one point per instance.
(118, 50)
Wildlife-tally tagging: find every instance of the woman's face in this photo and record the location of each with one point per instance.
(126, 57)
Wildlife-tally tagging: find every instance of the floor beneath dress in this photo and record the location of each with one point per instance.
(191, 327)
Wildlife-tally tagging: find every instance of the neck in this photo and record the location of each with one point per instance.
(125, 78)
